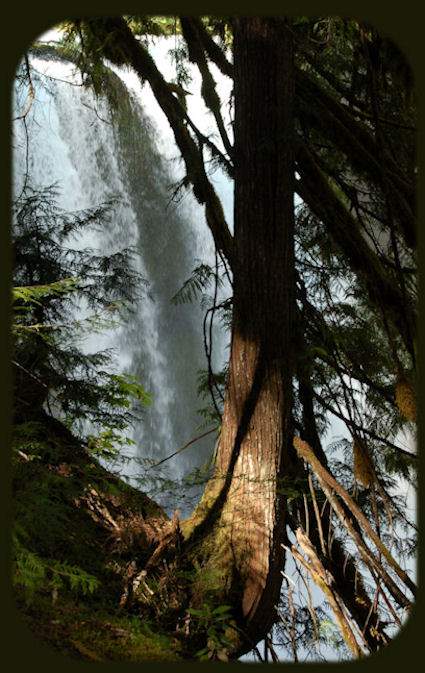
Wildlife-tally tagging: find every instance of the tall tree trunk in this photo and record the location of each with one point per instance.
(242, 515)
(238, 527)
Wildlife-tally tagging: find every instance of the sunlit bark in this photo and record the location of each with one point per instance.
(246, 513)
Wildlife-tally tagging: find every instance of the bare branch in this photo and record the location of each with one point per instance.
(329, 484)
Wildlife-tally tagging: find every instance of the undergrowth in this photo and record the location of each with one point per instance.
(78, 530)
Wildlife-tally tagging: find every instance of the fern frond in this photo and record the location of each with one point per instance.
(34, 573)
(199, 281)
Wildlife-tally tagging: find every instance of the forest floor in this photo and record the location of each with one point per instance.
(80, 537)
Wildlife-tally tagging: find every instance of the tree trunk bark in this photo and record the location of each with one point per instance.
(242, 513)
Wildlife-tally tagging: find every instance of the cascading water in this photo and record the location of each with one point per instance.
(95, 152)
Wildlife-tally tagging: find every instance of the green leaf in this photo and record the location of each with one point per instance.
(221, 608)
(195, 611)
(202, 652)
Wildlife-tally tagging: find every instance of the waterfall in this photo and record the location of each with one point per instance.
(95, 152)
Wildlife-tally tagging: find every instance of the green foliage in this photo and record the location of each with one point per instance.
(53, 284)
(209, 383)
(93, 70)
(48, 556)
(67, 572)
(26, 295)
(33, 574)
(202, 277)
(107, 443)
(126, 386)
(153, 25)
(213, 622)
(122, 389)
(42, 236)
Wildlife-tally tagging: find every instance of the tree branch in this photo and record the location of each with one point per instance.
(208, 90)
(329, 483)
(314, 189)
(328, 115)
(120, 46)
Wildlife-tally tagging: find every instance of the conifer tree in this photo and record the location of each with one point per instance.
(62, 293)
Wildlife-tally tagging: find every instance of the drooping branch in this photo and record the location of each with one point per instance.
(331, 487)
(214, 52)
(120, 46)
(208, 90)
(382, 143)
(347, 580)
(329, 116)
(315, 190)
(357, 107)
(315, 329)
(355, 427)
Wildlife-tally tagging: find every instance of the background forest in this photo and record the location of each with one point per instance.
(271, 541)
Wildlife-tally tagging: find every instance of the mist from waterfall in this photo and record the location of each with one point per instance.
(94, 152)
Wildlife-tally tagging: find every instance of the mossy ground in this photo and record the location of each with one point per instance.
(82, 632)
(69, 510)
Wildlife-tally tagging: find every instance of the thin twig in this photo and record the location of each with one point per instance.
(292, 608)
(195, 439)
(269, 644)
(29, 373)
(316, 511)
